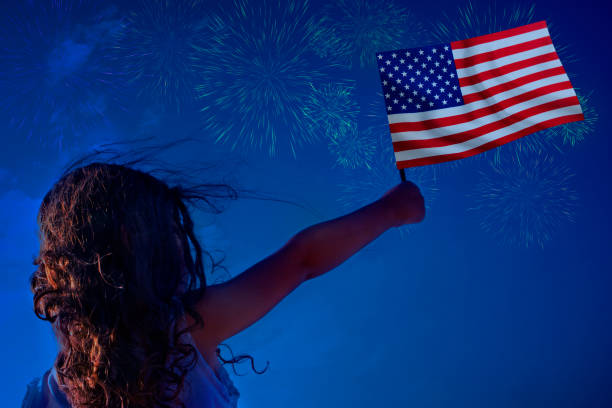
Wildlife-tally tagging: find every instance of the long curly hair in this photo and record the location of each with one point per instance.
(114, 274)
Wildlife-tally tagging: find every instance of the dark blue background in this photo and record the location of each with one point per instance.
(443, 315)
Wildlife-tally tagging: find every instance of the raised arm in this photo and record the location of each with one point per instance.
(232, 306)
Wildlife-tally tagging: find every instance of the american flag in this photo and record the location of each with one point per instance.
(450, 101)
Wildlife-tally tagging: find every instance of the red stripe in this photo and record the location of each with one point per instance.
(490, 145)
(506, 86)
(502, 52)
(506, 69)
(498, 36)
(482, 130)
(478, 113)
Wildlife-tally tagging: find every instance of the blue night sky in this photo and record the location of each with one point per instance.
(499, 298)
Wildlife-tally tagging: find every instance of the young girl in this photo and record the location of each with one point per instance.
(136, 323)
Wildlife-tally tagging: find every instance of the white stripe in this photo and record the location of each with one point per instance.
(485, 120)
(500, 62)
(459, 110)
(489, 83)
(502, 43)
(479, 141)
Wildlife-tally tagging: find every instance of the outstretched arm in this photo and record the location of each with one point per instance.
(232, 306)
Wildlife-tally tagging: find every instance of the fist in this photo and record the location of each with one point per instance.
(404, 204)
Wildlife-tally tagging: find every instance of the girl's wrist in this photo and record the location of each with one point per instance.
(386, 214)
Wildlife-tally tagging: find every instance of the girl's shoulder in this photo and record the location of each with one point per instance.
(43, 392)
(33, 395)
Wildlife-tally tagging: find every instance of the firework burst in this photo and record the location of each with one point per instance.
(353, 31)
(333, 105)
(257, 76)
(525, 204)
(157, 48)
(353, 148)
(55, 76)
(472, 21)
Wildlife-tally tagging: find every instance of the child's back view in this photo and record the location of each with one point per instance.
(121, 278)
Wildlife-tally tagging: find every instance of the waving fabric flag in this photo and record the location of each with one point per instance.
(450, 101)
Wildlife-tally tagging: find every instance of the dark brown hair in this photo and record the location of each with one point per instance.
(114, 275)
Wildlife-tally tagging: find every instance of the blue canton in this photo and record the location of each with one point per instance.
(419, 79)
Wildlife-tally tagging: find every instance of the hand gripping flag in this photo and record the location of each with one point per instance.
(450, 101)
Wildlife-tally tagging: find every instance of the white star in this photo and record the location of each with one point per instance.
(393, 88)
(454, 87)
(437, 64)
(441, 89)
(429, 58)
(387, 62)
(404, 73)
(421, 52)
(399, 81)
(415, 59)
(450, 95)
(404, 107)
(423, 65)
(387, 95)
(444, 102)
(447, 82)
(418, 106)
(394, 55)
(390, 75)
(448, 61)
(452, 75)
(406, 86)
(426, 78)
(418, 72)
(388, 108)
(428, 91)
(431, 71)
(434, 50)
(409, 66)
(402, 61)
(382, 69)
(396, 68)
(430, 103)
(457, 99)
(444, 69)
(420, 85)
(415, 93)
(395, 101)
(446, 48)
(410, 100)
(442, 56)
(437, 96)
(401, 94)
(412, 79)
(407, 53)
(439, 77)
(434, 83)
(379, 56)
(422, 98)
(385, 82)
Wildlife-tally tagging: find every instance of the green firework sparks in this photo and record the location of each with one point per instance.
(353, 147)
(353, 31)
(525, 204)
(257, 75)
(156, 49)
